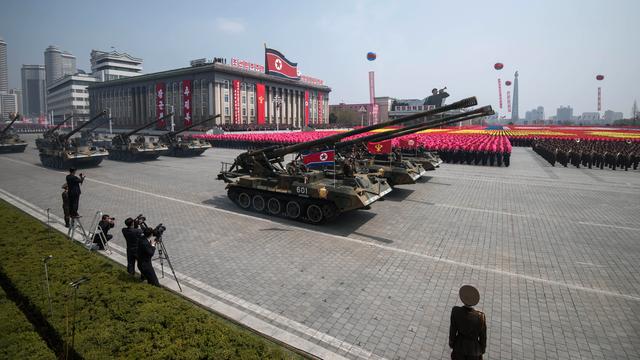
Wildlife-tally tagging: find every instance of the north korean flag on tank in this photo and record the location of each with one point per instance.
(277, 64)
(319, 159)
(409, 143)
(382, 147)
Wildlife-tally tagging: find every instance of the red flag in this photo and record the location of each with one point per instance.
(236, 101)
(409, 143)
(187, 105)
(382, 147)
(306, 107)
(261, 102)
(277, 64)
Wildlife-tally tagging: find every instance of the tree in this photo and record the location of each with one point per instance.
(346, 117)
(333, 118)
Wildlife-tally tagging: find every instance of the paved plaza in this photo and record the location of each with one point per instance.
(554, 251)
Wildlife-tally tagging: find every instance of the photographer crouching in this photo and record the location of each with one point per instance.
(106, 223)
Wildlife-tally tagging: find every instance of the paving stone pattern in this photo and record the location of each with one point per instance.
(554, 251)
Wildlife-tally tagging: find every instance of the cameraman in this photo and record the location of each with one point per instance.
(106, 223)
(146, 249)
(132, 235)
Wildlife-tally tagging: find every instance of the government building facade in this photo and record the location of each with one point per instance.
(242, 95)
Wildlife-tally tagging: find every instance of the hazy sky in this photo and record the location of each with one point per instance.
(557, 46)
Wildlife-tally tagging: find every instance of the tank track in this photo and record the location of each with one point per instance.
(13, 148)
(308, 210)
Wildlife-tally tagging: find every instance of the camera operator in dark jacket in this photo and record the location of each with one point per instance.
(132, 235)
(74, 182)
(106, 223)
(146, 249)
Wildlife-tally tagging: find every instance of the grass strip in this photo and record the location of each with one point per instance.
(19, 339)
(117, 316)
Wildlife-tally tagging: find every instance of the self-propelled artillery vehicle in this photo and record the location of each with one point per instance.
(59, 151)
(421, 157)
(258, 180)
(124, 149)
(181, 147)
(10, 142)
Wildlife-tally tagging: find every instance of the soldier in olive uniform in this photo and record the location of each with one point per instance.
(468, 330)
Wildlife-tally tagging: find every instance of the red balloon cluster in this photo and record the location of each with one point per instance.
(599, 77)
(498, 66)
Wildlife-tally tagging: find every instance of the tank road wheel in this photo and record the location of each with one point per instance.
(293, 209)
(258, 203)
(329, 211)
(314, 213)
(274, 207)
(244, 200)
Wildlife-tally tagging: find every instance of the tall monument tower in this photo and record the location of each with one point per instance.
(514, 107)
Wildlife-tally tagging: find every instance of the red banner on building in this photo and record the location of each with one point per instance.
(160, 105)
(320, 108)
(261, 99)
(382, 147)
(236, 102)
(277, 64)
(306, 107)
(186, 99)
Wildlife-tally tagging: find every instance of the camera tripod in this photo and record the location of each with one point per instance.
(164, 255)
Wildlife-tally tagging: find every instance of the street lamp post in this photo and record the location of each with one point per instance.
(173, 124)
(110, 123)
(277, 101)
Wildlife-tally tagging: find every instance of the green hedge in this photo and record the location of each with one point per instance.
(19, 340)
(117, 316)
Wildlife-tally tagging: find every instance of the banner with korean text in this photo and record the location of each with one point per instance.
(320, 108)
(160, 105)
(260, 98)
(306, 107)
(186, 99)
(236, 102)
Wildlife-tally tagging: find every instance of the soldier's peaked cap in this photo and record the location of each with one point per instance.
(469, 295)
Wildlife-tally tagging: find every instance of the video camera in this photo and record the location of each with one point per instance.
(157, 231)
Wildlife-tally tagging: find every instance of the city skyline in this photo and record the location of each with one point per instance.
(555, 61)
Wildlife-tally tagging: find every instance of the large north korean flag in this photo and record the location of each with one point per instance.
(277, 64)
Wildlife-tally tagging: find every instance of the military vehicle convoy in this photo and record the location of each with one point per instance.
(258, 180)
(10, 142)
(123, 149)
(180, 147)
(59, 152)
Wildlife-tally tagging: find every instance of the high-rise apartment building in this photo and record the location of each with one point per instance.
(34, 90)
(58, 64)
(8, 105)
(4, 67)
(564, 113)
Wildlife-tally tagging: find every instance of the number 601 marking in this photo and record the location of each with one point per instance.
(302, 190)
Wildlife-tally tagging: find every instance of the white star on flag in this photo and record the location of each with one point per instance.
(160, 93)
(186, 91)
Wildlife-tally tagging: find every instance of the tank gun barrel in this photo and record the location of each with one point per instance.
(72, 132)
(126, 135)
(174, 133)
(96, 125)
(483, 111)
(55, 128)
(464, 103)
(6, 128)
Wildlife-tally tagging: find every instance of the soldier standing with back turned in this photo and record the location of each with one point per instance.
(468, 330)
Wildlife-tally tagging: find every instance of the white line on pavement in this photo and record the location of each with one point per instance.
(380, 246)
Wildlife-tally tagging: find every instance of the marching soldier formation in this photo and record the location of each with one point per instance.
(590, 153)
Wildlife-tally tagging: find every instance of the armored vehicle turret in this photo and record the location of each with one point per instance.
(10, 142)
(259, 181)
(140, 149)
(59, 151)
(181, 147)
